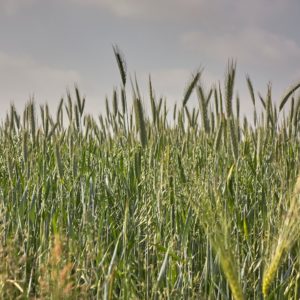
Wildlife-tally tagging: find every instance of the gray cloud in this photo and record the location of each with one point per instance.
(214, 11)
(250, 46)
(165, 38)
(10, 7)
(22, 77)
(144, 9)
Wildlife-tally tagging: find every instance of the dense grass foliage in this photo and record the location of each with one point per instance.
(127, 206)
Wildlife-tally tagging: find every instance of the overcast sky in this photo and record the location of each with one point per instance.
(48, 45)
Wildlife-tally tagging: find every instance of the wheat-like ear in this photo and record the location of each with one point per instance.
(190, 87)
(229, 86)
(140, 121)
(290, 91)
(203, 108)
(228, 267)
(251, 89)
(233, 138)
(121, 63)
(288, 236)
(218, 137)
(217, 233)
(32, 119)
(115, 103)
(152, 101)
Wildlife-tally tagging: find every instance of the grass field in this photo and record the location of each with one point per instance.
(127, 206)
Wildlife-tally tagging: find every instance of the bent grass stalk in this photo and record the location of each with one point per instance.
(287, 238)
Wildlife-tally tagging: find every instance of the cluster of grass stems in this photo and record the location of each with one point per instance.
(195, 203)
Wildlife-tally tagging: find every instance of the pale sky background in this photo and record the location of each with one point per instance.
(48, 45)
